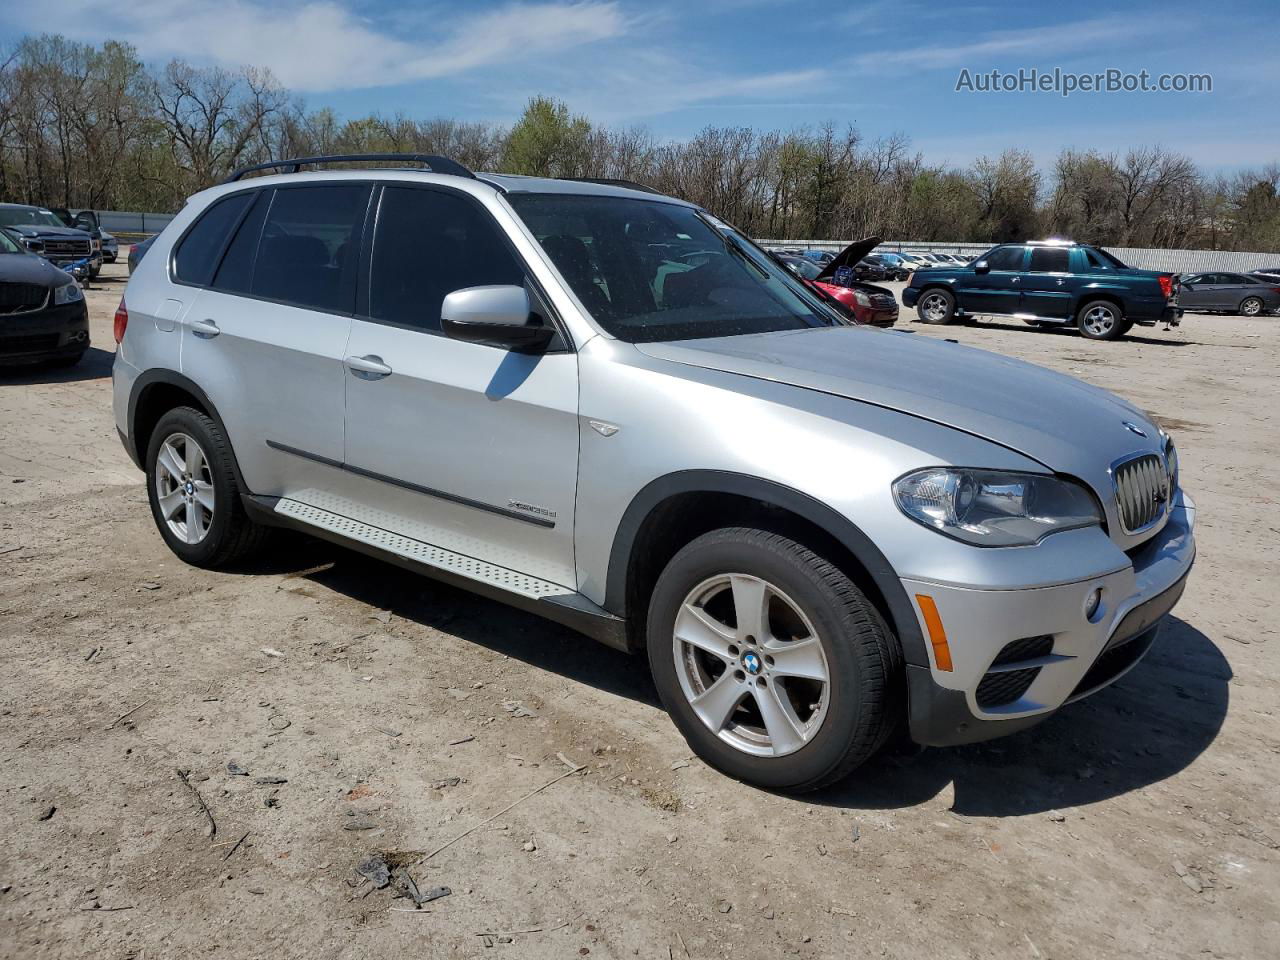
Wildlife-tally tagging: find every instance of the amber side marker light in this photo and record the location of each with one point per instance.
(937, 636)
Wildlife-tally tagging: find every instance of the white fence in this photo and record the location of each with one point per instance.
(1175, 261)
(122, 221)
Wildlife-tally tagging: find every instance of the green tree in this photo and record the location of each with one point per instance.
(547, 141)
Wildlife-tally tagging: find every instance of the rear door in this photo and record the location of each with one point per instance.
(1048, 287)
(997, 291)
(464, 446)
(267, 335)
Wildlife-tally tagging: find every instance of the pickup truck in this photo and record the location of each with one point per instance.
(1048, 283)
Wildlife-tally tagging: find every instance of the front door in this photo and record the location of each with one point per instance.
(999, 290)
(463, 446)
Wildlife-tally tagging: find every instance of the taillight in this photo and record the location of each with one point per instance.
(121, 321)
(1166, 285)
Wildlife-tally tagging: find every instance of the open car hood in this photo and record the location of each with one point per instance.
(847, 257)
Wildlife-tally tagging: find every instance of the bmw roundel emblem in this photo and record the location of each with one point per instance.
(1134, 428)
(751, 663)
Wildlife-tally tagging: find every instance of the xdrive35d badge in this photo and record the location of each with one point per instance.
(717, 471)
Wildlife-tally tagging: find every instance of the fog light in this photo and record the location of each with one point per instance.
(1093, 604)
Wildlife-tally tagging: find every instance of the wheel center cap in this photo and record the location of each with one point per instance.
(751, 663)
(189, 487)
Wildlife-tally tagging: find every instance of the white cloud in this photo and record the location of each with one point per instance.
(318, 45)
(1101, 33)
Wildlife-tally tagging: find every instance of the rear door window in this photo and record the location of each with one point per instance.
(427, 244)
(199, 250)
(1049, 260)
(309, 248)
(1006, 258)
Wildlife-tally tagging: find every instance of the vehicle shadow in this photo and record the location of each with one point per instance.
(1148, 726)
(431, 603)
(1151, 724)
(96, 365)
(1069, 330)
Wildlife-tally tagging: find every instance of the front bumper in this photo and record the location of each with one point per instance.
(60, 331)
(1059, 654)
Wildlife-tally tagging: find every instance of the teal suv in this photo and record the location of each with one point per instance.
(1048, 283)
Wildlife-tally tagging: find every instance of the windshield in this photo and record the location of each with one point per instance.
(7, 245)
(649, 271)
(805, 267)
(28, 217)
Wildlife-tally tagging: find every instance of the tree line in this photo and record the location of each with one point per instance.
(93, 126)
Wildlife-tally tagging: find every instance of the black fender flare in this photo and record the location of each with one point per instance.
(160, 376)
(840, 528)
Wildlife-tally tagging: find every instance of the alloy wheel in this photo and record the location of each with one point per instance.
(935, 308)
(751, 665)
(1100, 321)
(1251, 307)
(184, 488)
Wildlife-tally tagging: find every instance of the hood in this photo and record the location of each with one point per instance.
(41, 231)
(848, 257)
(29, 268)
(1064, 423)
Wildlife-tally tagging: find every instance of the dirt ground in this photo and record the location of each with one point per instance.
(1143, 822)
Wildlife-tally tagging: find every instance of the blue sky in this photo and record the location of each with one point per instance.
(675, 66)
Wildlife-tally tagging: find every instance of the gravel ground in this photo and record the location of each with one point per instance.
(399, 714)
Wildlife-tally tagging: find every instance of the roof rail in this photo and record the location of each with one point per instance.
(437, 164)
(610, 182)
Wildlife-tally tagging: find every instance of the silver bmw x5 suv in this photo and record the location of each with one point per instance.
(608, 407)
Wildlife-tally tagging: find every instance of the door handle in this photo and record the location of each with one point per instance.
(1014, 280)
(369, 367)
(205, 329)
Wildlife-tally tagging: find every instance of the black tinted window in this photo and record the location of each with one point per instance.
(235, 274)
(1049, 260)
(197, 255)
(309, 247)
(427, 244)
(1005, 258)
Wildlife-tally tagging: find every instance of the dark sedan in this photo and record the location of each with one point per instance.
(42, 309)
(138, 251)
(1240, 293)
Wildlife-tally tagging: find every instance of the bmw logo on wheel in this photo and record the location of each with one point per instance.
(751, 663)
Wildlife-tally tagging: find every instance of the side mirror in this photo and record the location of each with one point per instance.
(497, 316)
(982, 267)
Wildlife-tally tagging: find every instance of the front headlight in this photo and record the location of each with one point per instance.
(862, 298)
(994, 509)
(67, 293)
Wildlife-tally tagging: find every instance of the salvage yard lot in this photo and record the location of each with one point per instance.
(1144, 821)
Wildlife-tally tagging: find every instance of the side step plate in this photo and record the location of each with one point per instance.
(458, 564)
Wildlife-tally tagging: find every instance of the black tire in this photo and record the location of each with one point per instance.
(1250, 307)
(864, 693)
(231, 537)
(1101, 320)
(944, 311)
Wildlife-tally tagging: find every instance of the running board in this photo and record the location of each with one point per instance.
(547, 599)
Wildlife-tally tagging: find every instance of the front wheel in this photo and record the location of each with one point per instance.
(936, 306)
(1250, 307)
(770, 661)
(1101, 320)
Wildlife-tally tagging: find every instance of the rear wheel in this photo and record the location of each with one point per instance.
(1101, 320)
(1250, 307)
(774, 666)
(936, 306)
(195, 500)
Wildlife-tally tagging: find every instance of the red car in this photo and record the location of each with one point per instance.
(863, 303)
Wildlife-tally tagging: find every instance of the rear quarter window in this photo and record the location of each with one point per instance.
(199, 250)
